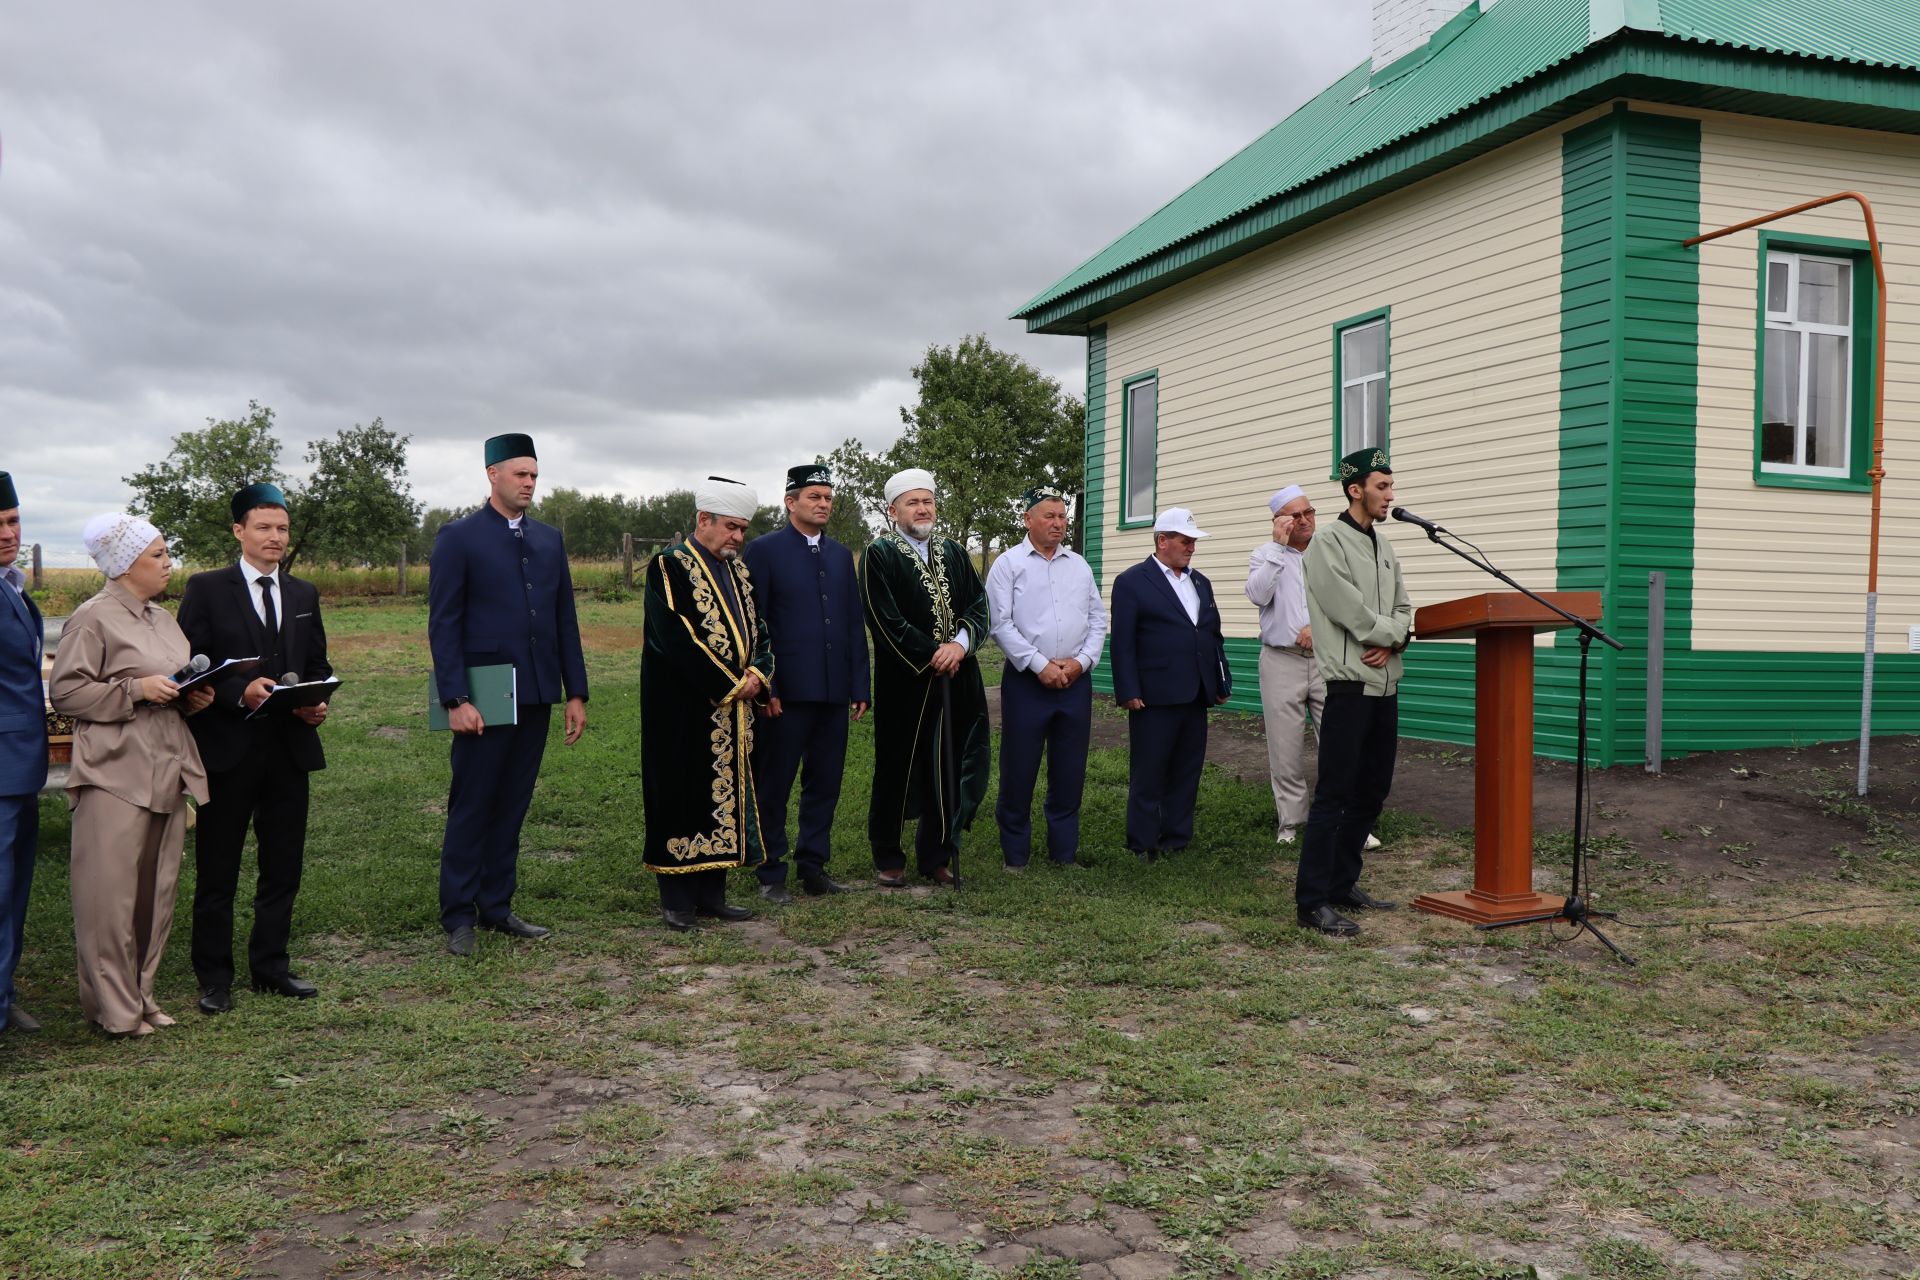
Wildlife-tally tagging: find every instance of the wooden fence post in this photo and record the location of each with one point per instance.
(402, 582)
(36, 566)
(626, 560)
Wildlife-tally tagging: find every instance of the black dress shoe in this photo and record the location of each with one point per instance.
(891, 879)
(1328, 921)
(1147, 855)
(678, 921)
(216, 1000)
(1360, 900)
(286, 985)
(776, 894)
(821, 886)
(19, 1019)
(463, 941)
(727, 911)
(514, 927)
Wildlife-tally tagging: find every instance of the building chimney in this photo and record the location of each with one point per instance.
(1401, 26)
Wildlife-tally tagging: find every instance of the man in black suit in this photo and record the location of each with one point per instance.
(256, 768)
(1169, 666)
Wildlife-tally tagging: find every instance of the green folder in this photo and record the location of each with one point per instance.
(495, 694)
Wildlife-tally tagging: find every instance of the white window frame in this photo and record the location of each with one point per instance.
(1132, 460)
(1347, 443)
(1787, 321)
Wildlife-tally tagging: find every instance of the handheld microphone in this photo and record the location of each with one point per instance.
(1401, 513)
(289, 679)
(198, 664)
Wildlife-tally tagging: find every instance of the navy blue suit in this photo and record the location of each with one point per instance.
(1178, 667)
(23, 771)
(497, 596)
(809, 600)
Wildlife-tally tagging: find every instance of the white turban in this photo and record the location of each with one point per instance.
(115, 540)
(717, 495)
(907, 481)
(1285, 496)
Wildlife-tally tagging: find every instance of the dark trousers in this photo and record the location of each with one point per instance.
(493, 777)
(813, 734)
(1060, 722)
(686, 891)
(1166, 747)
(19, 832)
(267, 792)
(930, 852)
(1358, 739)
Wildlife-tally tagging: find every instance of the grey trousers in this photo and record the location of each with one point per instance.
(1290, 684)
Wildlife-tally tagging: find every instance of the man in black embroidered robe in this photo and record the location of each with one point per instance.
(707, 661)
(927, 610)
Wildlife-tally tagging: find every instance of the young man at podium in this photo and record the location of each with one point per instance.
(1357, 605)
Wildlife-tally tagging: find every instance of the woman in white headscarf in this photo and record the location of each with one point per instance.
(134, 764)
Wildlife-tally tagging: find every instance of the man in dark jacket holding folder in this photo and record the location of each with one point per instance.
(256, 768)
(499, 594)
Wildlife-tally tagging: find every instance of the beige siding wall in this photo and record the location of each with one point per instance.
(1469, 262)
(1786, 569)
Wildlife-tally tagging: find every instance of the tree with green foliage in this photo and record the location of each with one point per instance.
(989, 426)
(187, 495)
(354, 508)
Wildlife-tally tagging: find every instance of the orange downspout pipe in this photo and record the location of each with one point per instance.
(1878, 470)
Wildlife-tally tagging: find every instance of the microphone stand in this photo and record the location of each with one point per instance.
(1575, 909)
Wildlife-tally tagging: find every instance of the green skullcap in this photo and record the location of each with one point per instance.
(1043, 493)
(256, 495)
(8, 498)
(807, 475)
(511, 445)
(1361, 463)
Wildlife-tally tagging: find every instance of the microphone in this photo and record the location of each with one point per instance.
(199, 663)
(289, 679)
(1401, 513)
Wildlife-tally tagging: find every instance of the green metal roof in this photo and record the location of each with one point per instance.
(1472, 60)
(1874, 33)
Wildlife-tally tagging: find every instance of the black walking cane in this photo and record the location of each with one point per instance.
(949, 775)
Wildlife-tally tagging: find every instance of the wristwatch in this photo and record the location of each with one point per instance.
(451, 703)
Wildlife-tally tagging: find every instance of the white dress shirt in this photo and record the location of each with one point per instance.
(1045, 610)
(1184, 588)
(253, 573)
(1277, 582)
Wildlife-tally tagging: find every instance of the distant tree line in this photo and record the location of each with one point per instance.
(987, 424)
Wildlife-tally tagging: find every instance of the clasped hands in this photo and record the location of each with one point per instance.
(1059, 673)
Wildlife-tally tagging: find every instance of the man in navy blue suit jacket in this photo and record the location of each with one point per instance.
(23, 751)
(499, 593)
(1169, 666)
(806, 591)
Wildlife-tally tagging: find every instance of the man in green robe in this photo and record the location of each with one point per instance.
(927, 611)
(707, 662)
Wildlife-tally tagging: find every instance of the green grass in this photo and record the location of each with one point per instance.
(1153, 1052)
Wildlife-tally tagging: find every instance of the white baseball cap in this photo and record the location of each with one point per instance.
(1179, 520)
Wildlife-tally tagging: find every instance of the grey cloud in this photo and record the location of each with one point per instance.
(654, 233)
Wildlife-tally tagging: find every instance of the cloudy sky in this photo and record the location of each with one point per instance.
(666, 239)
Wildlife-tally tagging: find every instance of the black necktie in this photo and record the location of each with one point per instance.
(273, 621)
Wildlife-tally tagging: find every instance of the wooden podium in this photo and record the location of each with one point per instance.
(1502, 624)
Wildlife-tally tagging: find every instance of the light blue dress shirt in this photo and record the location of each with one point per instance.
(1045, 610)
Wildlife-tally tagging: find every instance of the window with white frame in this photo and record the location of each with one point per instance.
(1363, 385)
(1140, 443)
(1806, 409)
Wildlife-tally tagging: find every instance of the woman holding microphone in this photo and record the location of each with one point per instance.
(134, 764)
